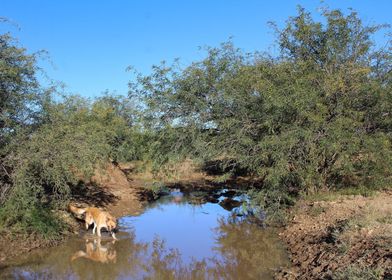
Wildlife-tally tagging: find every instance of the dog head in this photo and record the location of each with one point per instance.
(111, 223)
(89, 218)
(112, 255)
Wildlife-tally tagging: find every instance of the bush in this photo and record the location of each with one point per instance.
(24, 213)
(315, 117)
(75, 137)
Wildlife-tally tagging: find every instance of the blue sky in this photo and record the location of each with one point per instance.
(91, 42)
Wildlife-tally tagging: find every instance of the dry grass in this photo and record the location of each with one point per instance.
(341, 236)
(374, 219)
(185, 171)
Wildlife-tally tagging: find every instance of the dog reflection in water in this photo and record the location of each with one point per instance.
(96, 252)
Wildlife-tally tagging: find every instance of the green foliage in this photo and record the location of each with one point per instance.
(24, 213)
(47, 146)
(74, 139)
(20, 100)
(118, 118)
(318, 116)
(273, 204)
(158, 189)
(20, 93)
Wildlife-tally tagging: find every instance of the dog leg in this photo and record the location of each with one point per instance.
(113, 235)
(95, 227)
(99, 231)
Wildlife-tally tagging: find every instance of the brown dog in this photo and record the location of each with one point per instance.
(100, 219)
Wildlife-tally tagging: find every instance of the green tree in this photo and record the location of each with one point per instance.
(314, 117)
(20, 98)
(20, 93)
(76, 138)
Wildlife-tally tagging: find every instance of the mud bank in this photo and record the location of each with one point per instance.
(123, 195)
(346, 237)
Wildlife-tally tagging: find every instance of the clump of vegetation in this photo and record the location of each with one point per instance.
(316, 211)
(74, 138)
(48, 144)
(357, 272)
(315, 117)
(158, 189)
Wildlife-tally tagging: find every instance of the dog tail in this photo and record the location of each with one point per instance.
(76, 210)
(79, 254)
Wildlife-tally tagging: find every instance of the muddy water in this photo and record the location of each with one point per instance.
(172, 239)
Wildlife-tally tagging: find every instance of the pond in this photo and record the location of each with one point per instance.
(177, 237)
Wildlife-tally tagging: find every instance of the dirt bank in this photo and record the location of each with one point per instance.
(345, 237)
(126, 193)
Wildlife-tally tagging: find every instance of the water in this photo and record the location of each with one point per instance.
(172, 239)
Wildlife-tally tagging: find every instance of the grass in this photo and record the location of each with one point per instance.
(315, 211)
(336, 194)
(373, 219)
(385, 220)
(355, 272)
(372, 216)
(364, 191)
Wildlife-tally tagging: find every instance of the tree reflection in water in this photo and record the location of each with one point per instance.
(228, 247)
(242, 251)
(246, 251)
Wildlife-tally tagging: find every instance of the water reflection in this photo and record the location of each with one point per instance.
(248, 252)
(97, 252)
(229, 248)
